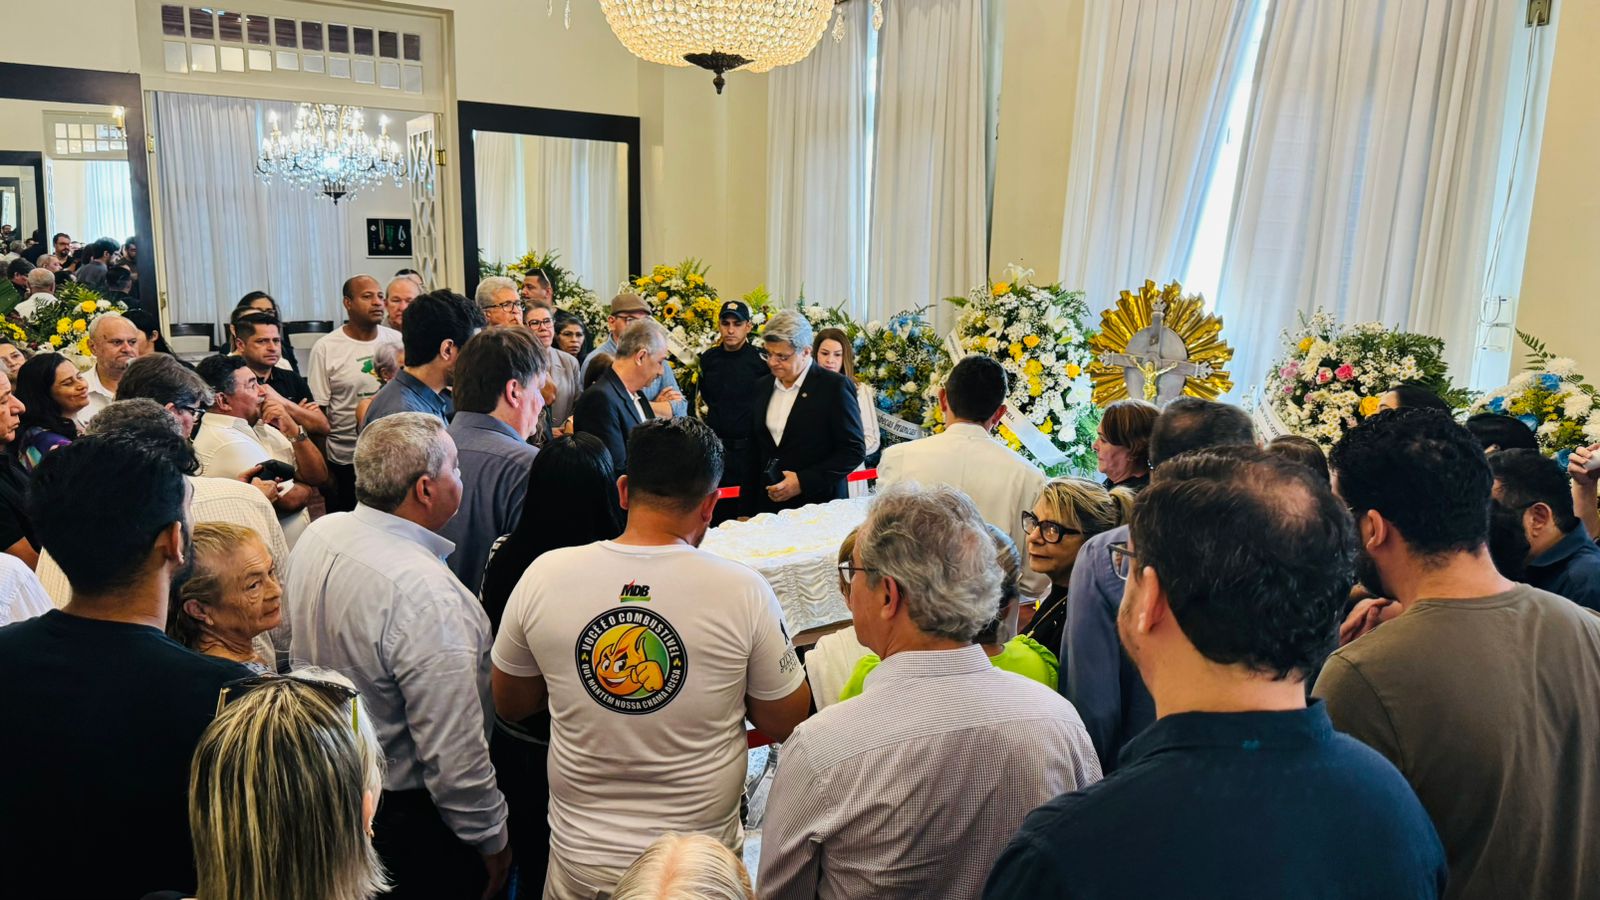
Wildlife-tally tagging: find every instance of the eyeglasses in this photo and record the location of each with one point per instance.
(1052, 532)
(780, 358)
(848, 570)
(336, 694)
(1122, 558)
(507, 306)
(545, 322)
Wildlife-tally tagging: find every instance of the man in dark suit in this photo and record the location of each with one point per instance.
(613, 405)
(806, 434)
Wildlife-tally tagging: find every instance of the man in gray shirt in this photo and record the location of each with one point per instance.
(498, 399)
(369, 596)
(912, 789)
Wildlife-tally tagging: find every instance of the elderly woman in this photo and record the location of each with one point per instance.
(282, 792)
(1068, 512)
(1007, 649)
(12, 356)
(806, 435)
(1122, 445)
(52, 392)
(834, 352)
(387, 361)
(230, 602)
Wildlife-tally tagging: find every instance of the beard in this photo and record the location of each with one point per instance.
(1368, 574)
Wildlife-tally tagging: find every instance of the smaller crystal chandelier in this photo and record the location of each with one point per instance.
(330, 152)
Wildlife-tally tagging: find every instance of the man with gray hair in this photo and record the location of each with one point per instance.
(662, 391)
(614, 404)
(497, 297)
(114, 341)
(397, 298)
(913, 788)
(368, 594)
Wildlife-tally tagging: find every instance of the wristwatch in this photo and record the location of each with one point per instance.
(302, 436)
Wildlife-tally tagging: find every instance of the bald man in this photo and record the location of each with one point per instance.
(114, 341)
(341, 376)
(397, 296)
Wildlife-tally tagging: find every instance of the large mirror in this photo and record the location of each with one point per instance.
(65, 160)
(550, 181)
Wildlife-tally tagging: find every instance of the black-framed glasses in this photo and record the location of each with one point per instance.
(1122, 557)
(507, 306)
(848, 570)
(335, 693)
(545, 322)
(769, 356)
(1052, 532)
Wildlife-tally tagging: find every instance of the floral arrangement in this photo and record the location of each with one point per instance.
(684, 302)
(1551, 398)
(900, 360)
(62, 324)
(1331, 375)
(567, 291)
(1037, 332)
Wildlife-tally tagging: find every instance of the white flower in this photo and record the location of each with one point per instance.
(1549, 428)
(890, 355)
(1562, 366)
(1520, 383)
(103, 304)
(909, 387)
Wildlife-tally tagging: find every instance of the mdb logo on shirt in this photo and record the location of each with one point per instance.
(630, 660)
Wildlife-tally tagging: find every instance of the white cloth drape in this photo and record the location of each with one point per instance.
(224, 231)
(1153, 86)
(1368, 172)
(109, 189)
(817, 171)
(502, 221)
(930, 166)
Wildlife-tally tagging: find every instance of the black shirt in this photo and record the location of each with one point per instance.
(98, 722)
(728, 384)
(289, 383)
(14, 522)
(1231, 805)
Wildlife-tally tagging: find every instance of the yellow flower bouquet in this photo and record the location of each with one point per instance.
(63, 323)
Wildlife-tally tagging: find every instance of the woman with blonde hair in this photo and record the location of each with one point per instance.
(231, 600)
(685, 867)
(1068, 512)
(282, 792)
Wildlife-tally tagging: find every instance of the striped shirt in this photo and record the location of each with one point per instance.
(913, 789)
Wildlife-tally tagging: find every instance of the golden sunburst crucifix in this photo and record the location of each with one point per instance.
(1157, 345)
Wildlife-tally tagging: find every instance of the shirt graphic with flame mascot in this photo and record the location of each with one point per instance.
(627, 661)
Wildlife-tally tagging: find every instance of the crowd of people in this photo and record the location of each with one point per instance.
(36, 267)
(429, 618)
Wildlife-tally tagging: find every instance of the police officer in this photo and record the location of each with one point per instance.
(728, 374)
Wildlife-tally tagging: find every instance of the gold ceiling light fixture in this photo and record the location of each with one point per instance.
(721, 35)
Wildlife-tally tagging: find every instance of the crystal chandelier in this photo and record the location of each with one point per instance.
(721, 35)
(330, 152)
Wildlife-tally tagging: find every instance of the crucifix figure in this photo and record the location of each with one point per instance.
(1156, 362)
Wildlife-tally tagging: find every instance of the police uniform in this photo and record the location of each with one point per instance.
(727, 382)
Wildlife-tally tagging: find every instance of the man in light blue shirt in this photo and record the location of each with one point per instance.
(662, 392)
(372, 599)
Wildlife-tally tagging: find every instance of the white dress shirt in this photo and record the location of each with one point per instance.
(782, 403)
(1001, 483)
(100, 397)
(21, 594)
(228, 446)
(368, 595)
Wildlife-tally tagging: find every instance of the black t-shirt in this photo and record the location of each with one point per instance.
(14, 522)
(289, 383)
(98, 722)
(728, 384)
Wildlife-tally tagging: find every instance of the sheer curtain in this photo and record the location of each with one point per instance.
(1368, 172)
(109, 190)
(225, 232)
(931, 161)
(1153, 89)
(502, 222)
(576, 205)
(817, 171)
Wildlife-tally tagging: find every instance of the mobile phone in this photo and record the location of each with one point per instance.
(277, 470)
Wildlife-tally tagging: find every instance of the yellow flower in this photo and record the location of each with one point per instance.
(660, 279)
(1035, 387)
(696, 280)
(1031, 341)
(661, 295)
(63, 326)
(87, 306)
(1015, 350)
(642, 282)
(1047, 426)
(80, 326)
(1001, 288)
(1369, 405)
(55, 340)
(83, 347)
(1033, 367)
(688, 315)
(1305, 344)
(671, 311)
(1074, 370)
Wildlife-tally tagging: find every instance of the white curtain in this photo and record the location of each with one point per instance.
(225, 232)
(577, 205)
(91, 198)
(817, 171)
(502, 222)
(1368, 172)
(930, 166)
(1153, 86)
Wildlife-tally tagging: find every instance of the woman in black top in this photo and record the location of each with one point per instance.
(1068, 512)
(571, 501)
(1123, 443)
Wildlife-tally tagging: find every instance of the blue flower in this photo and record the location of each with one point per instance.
(911, 371)
(1550, 382)
(1497, 405)
(1562, 456)
(883, 402)
(1530, 421)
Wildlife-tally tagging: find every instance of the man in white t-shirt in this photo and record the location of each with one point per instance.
(650, 653)
(341, 376)
(245, 428)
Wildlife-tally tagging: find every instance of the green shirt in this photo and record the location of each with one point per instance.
(1022, 655)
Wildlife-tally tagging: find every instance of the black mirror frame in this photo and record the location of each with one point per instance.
(62, 85)
(472, 116)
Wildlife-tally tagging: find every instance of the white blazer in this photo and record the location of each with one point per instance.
(1000, 482)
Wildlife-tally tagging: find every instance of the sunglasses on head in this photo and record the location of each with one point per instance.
(336, 694)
